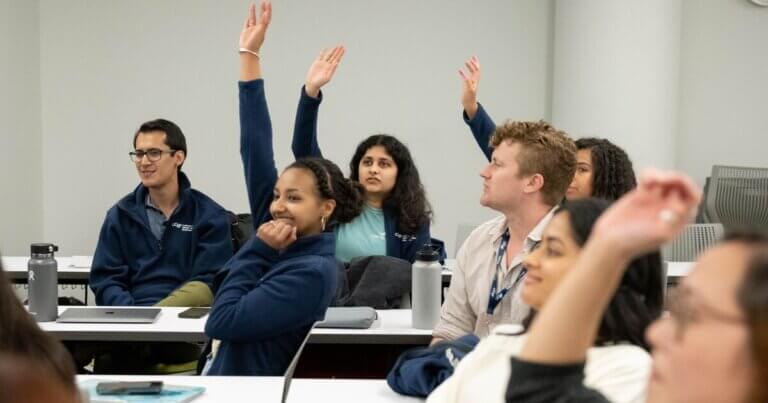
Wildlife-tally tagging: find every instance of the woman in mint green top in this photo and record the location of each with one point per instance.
(396, 222)
(364, 236)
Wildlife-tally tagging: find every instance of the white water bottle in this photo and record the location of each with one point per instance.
(426, 287)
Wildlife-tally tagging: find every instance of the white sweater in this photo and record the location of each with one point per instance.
(620, 372)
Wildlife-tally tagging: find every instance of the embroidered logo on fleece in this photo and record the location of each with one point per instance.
(405, 237)
(183, 227)
(452, 359)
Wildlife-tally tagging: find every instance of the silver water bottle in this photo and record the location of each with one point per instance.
(426, 287)
(43, 280)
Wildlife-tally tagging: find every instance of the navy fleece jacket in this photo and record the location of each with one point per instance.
(269, 299)
(130, 266)
(482, 127)
(400, 245)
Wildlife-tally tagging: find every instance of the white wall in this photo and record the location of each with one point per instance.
(616, 67)
(107, 66)
(724, 86)
(20, 136)
(79, 77)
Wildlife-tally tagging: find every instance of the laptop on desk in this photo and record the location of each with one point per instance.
(109, 315)
(288, 376)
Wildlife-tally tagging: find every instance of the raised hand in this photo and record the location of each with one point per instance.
(322, 69)
(252, 35)
(278, 235)
(650, 215)
(470, 81)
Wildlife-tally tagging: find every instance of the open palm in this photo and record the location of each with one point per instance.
(322, 69)
(470, 82)
(252, 35)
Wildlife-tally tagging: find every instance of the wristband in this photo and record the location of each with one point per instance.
(245, 50)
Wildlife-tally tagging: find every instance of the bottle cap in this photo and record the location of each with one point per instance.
(428, 253)
(43, 248)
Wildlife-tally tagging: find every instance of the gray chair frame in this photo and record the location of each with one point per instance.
(694, 239)
(738, 197)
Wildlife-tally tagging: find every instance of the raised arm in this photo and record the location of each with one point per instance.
(305, 128)
(638, 223)
(251, 39)
(255, 124)
(475, 117)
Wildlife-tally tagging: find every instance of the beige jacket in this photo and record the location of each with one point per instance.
(466, 304)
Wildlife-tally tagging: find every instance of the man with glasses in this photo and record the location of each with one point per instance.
(163, 243)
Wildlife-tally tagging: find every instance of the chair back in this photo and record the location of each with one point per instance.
(738, 197)
(694, 239)
(462, 232)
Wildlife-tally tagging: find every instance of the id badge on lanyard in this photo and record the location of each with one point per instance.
(496, 294)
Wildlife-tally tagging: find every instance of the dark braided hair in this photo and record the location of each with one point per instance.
(408, 198)
(331, 184)
(612, 173)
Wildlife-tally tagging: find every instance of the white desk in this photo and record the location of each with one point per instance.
(16, 268)
(167, 327)
(675, 270)
(392, 327)
(219, 389)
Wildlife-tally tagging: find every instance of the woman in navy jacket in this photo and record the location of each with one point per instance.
(383, 165)
(283, 279)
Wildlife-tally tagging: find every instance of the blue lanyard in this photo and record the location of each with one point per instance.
(497, 295)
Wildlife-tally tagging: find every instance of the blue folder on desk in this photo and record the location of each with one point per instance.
(170, 394)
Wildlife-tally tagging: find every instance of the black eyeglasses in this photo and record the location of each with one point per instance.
(684, 312)
(153, 154)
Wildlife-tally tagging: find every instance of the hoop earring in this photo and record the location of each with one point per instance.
(322, 223)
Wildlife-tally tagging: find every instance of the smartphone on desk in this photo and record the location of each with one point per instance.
(129, 388)
(194, 313)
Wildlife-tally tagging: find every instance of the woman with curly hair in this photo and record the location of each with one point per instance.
(396, 218)
(603, 169)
